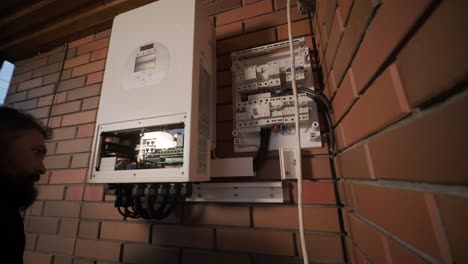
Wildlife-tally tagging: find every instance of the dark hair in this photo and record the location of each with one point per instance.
(13, 121)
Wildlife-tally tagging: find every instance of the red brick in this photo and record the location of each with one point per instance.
(76, 61)
(103, 34)
(255, 241)
(229, 30)
(71, 83)
(237, 14)
(62, 209)
(210, 257)
(222, 5)
(454, 214)
(94, 193)
(41, 91)
(56, 244)
(316, 168)
(66, 108)
(408, 218)
(17, 78)
(280, 217)
(271, 20)
(68, 176)
(299, 28)
(30, 84)
(30, 242)
(104, 211)
(35, 64)
(38, 113)
(246, 41)
(345, 9)
(345, 96)
(58, 259)
(322, 247)
(316, 193)
(336, 33)
(90, 103)
(51, 68)
(68, 227)
(211, 214)
(85, 131)
(427, 76)
(74, 145)
(50, 192)
(101, 250)
(45, 101)
(43, 225)
(94, 77)
(81, 41)
(60, 97)
(55, 122)
(74, 193)
(36, 208)
(149, 255)
(51, 78)
(88, 68)
(330, 11)
(79, 118)
(80, 160)
(63, 133)
(355, 163)
(89, 229)
(36, 258)
(71, 53)
(400, 254)
(368, 239)
(99, 54)
(281, 4)
(360, 14)
(82, 261)
(25, 105)
(383, 36)
(56, 57)
(57, 162)
(87, 91)
(385, 94)
(15, 97)
(66, 74)
(408, 152)
(95, 45)
(125, 231)
(183, 236)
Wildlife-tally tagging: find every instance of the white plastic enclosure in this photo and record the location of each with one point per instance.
(159, 85)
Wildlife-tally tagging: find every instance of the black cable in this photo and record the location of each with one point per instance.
(163, 197)
(265, 134)
(173, 194)
(137, 193)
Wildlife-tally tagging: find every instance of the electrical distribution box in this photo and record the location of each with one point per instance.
(262, 97)
(156, 115)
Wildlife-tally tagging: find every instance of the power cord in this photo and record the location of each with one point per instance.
(298, 139)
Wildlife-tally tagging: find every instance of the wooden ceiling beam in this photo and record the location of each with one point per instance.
(68, 29)
(25, 11)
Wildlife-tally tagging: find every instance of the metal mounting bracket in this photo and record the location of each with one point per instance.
(245, 192)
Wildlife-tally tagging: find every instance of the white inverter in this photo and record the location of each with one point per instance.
(156, 117)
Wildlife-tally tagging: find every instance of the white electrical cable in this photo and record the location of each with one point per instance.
(298, 139)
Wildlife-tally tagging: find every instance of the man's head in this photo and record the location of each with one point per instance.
(21, 156)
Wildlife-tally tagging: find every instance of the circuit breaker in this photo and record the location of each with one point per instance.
(156, 115)
(263, 97)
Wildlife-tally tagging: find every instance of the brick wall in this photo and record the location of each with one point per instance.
(74, 222)
(396, 72)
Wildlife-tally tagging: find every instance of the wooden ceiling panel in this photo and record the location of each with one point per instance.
(48, 24)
